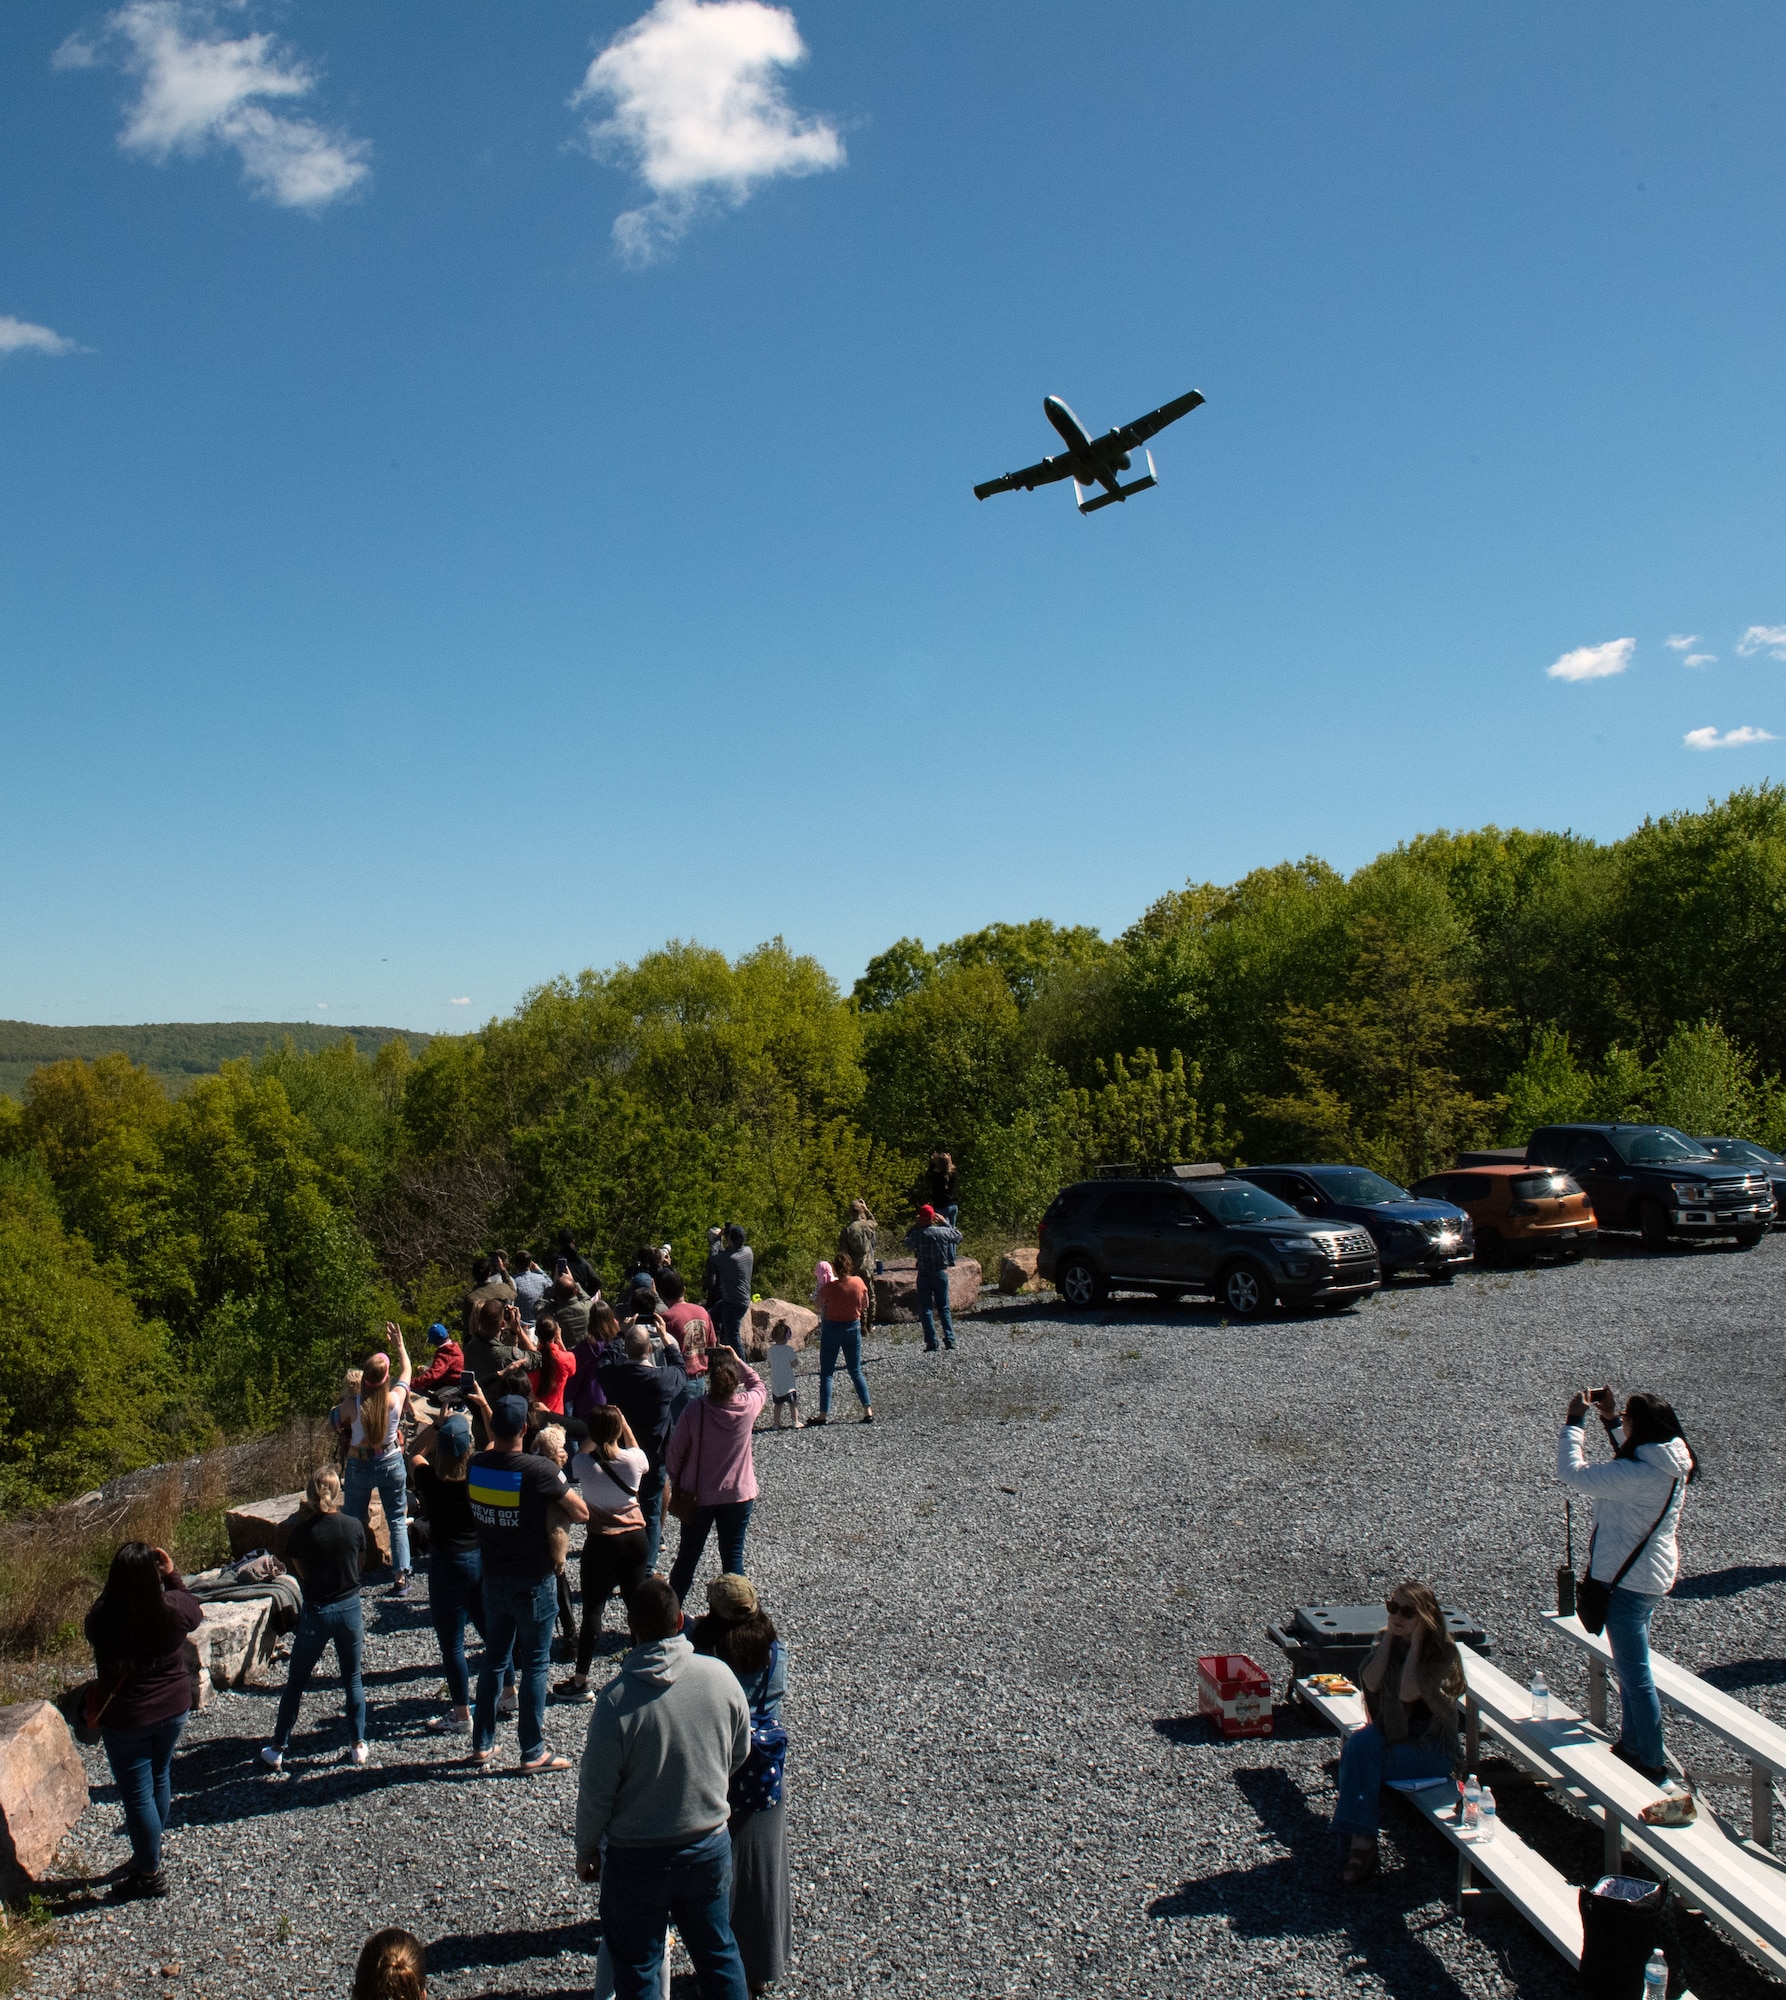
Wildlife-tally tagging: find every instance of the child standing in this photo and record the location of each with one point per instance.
(781, 1375)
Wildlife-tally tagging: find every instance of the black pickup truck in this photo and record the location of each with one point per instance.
(1659, 1182)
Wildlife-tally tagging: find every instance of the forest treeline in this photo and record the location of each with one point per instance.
(176, 1267)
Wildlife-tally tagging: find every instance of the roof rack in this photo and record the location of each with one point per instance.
(1127, 1170)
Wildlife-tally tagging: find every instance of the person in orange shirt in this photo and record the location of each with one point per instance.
(842, 1303)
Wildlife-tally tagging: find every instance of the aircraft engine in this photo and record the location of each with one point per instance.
(1122, 464)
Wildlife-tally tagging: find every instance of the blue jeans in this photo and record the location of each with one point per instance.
(933, 1297)
(651, 1505)
(318, 1625)
(142, 1762)
(728, 1323)
(357, 1482)
(456, 1593)
(646, 1888)
(1367, 1763)
(1628, 1615)
(840, 1342)
(520, 1613)
(731, 1518)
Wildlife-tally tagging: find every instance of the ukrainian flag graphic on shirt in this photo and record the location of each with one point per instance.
(496, 1488)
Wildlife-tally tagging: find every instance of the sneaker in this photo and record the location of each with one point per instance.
(508, 1703)
(930, 1347)
(361, 1753)
(403, 1584)
(950, 1345)
(868, 1416)
(448, 1725)
(819, 1419)
(1654, 1772)
(573, 1690)
(272, 1756)
(139, 1883)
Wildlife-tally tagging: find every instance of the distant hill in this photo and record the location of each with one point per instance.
(177, 1051)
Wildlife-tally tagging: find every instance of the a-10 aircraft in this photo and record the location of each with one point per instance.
(1089, 461)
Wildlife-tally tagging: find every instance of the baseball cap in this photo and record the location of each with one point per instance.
(455, 1431)
(508, 1416)
(438, 1335)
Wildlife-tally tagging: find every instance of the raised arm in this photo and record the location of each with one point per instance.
(400, 1348)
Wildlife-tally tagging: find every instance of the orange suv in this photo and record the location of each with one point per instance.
(1517, 1210)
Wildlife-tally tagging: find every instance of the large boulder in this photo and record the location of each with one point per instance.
(43, 1787)
(267, 1524)
(803, 1325)
(1017, 1272)
(235, 1640)
(896, 1288)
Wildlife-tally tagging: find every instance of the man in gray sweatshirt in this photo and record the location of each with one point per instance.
(665, 1737)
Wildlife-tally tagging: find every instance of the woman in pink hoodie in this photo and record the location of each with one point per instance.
(710, 1457)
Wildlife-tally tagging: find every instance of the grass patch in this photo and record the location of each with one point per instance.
(25, 1929)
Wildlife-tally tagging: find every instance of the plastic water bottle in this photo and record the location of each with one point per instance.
(1655, 1977)
(1487, 1820)
(1540, 1697)
(1472, 1806)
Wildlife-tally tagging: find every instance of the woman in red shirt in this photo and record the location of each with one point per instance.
(841, 1305)
(557, 1365)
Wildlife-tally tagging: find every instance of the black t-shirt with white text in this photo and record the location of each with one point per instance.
(510, 1493)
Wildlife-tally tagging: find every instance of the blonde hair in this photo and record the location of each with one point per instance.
(375, 1406)
(324, 1491)
(550, 1440)
(352, 1379)
(393, 1966)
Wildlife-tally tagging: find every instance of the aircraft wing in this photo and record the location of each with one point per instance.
(1030, 477)
(1128, 436)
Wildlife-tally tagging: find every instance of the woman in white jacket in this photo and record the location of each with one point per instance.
(1637, 1499)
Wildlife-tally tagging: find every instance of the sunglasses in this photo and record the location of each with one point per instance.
(1397, 1610)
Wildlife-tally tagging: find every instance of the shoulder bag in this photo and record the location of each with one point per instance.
(1592, 1597)
(82, 1709)
(682, 1503)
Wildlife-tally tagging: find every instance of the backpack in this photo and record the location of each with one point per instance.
(757, 1785)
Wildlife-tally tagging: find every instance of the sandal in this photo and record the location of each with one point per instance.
(479, 1758)
(547, 1763)
(1360, 1867)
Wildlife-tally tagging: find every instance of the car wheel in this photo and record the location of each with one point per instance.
(1243, 1291)
(1746, 1239)
(1080, 1283)
(1652, 1223)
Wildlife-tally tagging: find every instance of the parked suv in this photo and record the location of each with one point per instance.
(1411, 1234)
(1517, 1211)
(1656, 1180)
(1745, 1153)
(1198, 1229)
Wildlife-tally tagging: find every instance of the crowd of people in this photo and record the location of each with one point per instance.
(550, 1407)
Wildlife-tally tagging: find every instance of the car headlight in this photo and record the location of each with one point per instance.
(1689, 1191)
(1297, 1246)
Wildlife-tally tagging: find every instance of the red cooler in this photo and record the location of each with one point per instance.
(1235, 1693)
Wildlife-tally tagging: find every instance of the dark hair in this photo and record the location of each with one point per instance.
(670, 1287)
(480, 1269)
(1649, 1420)
(734, 1236)
(743, 1643)
(655, 1611)
(393, 1966)
(725, 1372)
(546, 1320)
(603, 1315)
(132, 1625)
(566, 1241)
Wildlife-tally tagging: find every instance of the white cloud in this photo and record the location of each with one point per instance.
(1682, 642)
(1732, 739)
(466, 1002)
(19, 336)
(1700, 660)
(200, 88)
(696, 107)
(1593, 663)
(1763, 639)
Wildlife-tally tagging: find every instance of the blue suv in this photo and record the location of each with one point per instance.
(1410, 1232)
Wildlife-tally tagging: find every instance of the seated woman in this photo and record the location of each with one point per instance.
(1411, 1683)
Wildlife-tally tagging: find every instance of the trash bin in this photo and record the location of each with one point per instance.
(1621, 1924)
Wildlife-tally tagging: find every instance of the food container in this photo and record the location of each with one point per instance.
(1235, 1693)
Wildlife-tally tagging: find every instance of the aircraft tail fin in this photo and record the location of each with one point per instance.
(1121, 493)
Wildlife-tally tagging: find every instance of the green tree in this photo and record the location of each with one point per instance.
(1143, 1114)
(1376, 1072)
(83, 1380)
(1705, 1085)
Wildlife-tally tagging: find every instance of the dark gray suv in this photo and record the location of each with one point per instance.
(1196, 1229)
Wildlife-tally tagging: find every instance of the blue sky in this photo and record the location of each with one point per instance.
(410, 590)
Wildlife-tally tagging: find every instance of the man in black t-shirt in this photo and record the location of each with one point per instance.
(513, 1498)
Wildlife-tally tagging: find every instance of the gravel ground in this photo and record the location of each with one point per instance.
(994, 1600)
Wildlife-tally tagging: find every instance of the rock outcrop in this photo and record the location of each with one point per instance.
(43, 1787)
(267, 1524)
(1017, 1272)
(896, 1288)
(803, 1325)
